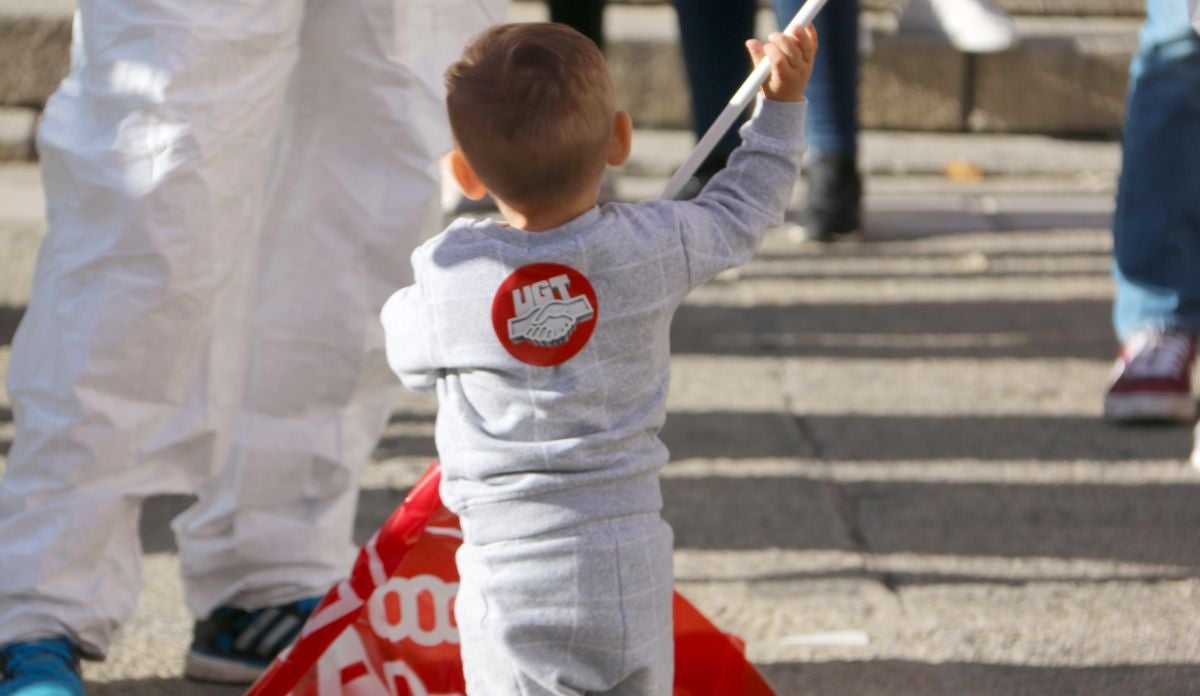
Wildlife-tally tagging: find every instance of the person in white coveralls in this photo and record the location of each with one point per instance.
(233, 190)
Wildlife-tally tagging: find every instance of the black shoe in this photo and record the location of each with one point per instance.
(834, 196)
(234, 646)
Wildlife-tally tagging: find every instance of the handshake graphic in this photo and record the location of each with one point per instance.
(552, 323)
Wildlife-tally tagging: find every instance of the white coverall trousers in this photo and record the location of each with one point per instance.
(233, 189)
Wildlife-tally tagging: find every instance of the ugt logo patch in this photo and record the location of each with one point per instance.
(544, 313)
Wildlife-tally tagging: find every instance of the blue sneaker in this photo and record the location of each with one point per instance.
(48, 667)
(234, 646)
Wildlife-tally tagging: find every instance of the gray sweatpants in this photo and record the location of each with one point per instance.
(588, 613)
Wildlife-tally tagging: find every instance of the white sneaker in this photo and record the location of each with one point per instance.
(972, 26)
(1196, 447)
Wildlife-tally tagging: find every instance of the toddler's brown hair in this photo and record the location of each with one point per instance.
(531, 108)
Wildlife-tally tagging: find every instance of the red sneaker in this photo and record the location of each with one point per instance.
(1152, 380)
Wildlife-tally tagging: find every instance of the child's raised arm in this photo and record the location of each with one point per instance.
(723, 226)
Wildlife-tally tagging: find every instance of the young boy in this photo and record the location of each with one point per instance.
(546, 338)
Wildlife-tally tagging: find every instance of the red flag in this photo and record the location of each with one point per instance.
(388, 630)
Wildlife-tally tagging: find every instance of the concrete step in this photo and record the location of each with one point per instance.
(35, 38)
(1067, 76)
(1080, 8)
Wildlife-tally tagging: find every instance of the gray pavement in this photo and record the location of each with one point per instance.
(889, 473)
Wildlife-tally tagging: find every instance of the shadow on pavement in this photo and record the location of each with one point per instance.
(155, 523)
(166, 686)
(886, 438)
(1031, 220)
(1068, 329)
(374, 506)
(405, 446)
(902, 251)
(759, 272)
(10, 317)
(908, 678)
(1149, 523)
(857, 262)
(1153, 524)
(993, 329)
(6, 416)
(754, 513)
(884, 223)
(1144, 523)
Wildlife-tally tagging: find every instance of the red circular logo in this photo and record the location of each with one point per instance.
(544, 313)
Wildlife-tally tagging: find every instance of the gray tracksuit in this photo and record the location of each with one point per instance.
(549, 352)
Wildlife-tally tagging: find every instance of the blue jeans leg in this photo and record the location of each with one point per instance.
(713, 33)
(833, 88)
(1156, 229)
(584, 16)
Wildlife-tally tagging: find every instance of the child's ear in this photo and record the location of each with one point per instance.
(622, 140)
(465, 175)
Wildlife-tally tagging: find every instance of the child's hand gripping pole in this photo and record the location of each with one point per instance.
(737, 104)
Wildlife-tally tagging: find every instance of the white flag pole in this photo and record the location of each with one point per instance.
(741, 99)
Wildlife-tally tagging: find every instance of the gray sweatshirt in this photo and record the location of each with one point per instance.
(549, 351)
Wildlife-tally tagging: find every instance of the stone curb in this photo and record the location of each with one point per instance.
(34, 50)
(17, 126)
(1068, 76)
